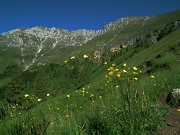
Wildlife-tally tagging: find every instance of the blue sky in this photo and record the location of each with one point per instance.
(76, 14)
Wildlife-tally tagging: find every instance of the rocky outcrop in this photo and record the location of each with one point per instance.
(33, 43)
(173, 97)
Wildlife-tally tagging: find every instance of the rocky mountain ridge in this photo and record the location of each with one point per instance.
(34, 42)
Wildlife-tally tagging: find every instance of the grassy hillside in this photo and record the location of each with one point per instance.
(125, 87)
(128, 35)
(95, 88)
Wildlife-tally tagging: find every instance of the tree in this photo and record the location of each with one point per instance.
(55, 88)
(14, 91)
(41, 84)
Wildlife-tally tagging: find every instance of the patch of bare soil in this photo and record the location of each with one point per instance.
(172, 118)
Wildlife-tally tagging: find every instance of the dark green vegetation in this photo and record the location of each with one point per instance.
(85, 94)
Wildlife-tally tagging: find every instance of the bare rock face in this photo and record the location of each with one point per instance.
(173, 97)
(37, 43)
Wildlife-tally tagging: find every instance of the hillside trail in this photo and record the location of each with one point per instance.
(172, 118)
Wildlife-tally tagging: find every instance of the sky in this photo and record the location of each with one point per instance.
(76, 14)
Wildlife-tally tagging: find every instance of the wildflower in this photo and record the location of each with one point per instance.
(48, 95)
(111, 73)
(117, 86)
(95, 57)
(135, 73)
(76, 90)
(19, 113)
(26, 95)
(65, 61)
(100, 97)
(152, 76)
(135, 68)
(124, 64)
(111, 68)
(118, 74)
(178, 110)
(117, 69)
(73, 57)
(92, 95)
(136, 78)
(154, 84)
(113, 64)
(105, 63)
(39, 99)
(124, 71)
(112, 50)
(85, 56)
(68, 96)
(124, 46)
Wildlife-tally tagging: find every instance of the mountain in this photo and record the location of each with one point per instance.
(36, 46)
(109, 77)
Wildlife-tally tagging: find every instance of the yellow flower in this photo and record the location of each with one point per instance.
(136, 78)
(68, 96)
(92, 95)
(48, 95)
(152, 76)
(124, 64)
(135, 73)
(113, 64)
(118, 74)
(178, 110)
(85, 56)
(124, 71)
(100, 97)
(124, 46)
(113, 51)
(26, 95)
(39, 100)
(105, 63)
(111, 73)
(135, 68)
(96, 57)
(65, 61)
(73, 57)
(111, 68)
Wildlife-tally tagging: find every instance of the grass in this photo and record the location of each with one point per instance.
(120, 99)
(109, 106)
